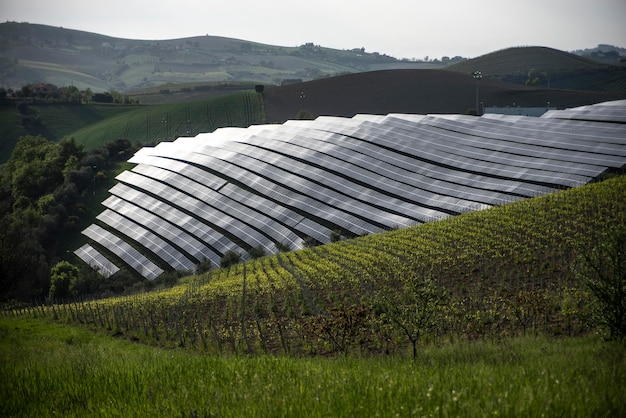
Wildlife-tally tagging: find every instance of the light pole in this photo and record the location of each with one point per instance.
(94, 179)
(477, 75)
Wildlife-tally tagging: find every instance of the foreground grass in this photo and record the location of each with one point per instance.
(51, 369)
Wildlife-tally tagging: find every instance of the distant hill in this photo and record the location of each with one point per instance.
(546, 67)
(39, 53)
(608, 54)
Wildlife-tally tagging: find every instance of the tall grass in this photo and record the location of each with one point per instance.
(51, 369)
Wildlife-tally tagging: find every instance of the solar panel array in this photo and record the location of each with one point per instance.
(270, 186)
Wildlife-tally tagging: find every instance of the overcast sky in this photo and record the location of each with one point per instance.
(400, 28)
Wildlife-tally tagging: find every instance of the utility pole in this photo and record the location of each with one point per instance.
(477, 75)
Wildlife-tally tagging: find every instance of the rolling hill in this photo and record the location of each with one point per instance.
(520, 60)
(373, 92)
(39, 53)
(547, 68)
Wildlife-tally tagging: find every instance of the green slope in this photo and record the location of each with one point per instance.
(55, 121)
(152, 124)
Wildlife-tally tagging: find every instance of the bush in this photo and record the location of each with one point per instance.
(230, 258)
(203, 266)
(62, 275)
(256, 252)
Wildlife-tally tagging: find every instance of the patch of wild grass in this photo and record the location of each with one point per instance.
(50, 369)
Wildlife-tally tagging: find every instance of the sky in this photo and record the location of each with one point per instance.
(399, 28)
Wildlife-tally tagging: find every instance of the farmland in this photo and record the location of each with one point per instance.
(477, 314)
(503, 272)
(513, 336)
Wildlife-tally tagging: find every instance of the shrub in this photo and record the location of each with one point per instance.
(230, 258)
(62, 275)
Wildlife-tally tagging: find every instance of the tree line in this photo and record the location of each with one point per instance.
(50, 93)
(44, 192)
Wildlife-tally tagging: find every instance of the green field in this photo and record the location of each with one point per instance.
(153, 124)
(49, 369)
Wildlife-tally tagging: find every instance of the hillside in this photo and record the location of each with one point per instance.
(500, 272)
(38, 53)
(94, 125)
(413, 91)
(33, 53)
(204, 105)
(546, 68)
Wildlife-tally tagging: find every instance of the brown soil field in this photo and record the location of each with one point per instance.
(412, 91)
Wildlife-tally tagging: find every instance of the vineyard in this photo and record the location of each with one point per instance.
(490, 274)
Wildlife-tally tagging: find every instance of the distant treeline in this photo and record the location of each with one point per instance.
(49, 93)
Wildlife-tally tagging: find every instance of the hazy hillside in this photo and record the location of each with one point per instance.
(608, 54)
(38, 53)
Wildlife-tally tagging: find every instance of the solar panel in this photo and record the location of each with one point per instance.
(117, 246)
(97, 261)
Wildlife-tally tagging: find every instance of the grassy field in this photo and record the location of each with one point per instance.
(153, 124)
(56, 122)
(49, 369)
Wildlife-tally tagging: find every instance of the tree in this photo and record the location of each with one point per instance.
(335, 235)
(62, 276)
(603, 272)
(309, 242)
(35, 167)
(412, 309)
(340, 326)
(282, 247)
(87, 95)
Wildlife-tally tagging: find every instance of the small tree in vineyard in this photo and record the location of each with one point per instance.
(412, 309)
(603, 272)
